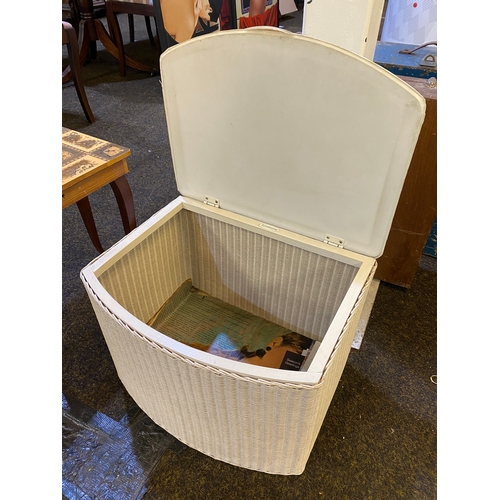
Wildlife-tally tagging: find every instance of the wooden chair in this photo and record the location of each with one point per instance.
(130, 7)
(131, 29)
(74, 68)
(91, 29)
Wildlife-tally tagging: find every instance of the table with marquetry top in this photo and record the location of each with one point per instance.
(88, 164)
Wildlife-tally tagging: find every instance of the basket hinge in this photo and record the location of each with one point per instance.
(213, 202)
(334, 241)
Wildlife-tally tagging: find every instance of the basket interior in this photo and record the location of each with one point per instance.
(288, 285)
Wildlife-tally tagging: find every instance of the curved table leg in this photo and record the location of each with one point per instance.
(88, 220)
(123, 195)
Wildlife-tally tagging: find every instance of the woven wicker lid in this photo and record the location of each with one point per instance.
(291, 131)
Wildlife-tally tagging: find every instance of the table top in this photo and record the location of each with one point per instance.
(84, 156)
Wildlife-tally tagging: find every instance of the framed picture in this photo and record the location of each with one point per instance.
(180, 20)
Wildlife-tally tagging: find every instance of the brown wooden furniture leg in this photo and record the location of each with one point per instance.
(106, 40)
(117, 48)
(131, 29)
(69, 39)
(88, 219)
(92, 29)
(123, 195)
(112, 10)
(83, 43)
(117, 36)
(147, 19)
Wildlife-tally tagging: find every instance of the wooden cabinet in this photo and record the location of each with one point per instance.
(417, 207)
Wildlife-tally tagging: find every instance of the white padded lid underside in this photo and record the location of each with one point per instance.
(291, 131)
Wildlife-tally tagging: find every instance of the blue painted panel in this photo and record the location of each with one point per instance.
(387, 55)
(431, 245)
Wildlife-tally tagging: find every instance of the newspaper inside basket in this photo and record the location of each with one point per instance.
(204, 322)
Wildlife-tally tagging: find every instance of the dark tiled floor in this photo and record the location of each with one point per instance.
(378, 440)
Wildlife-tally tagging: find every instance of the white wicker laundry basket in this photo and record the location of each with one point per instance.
(290, 155)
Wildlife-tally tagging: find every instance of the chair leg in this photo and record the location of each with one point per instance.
(123, 195)
(117, 35)
(157, 42)
(69, 39)
(88, 219)
(131, 28)
(148, 28)
(150, 31)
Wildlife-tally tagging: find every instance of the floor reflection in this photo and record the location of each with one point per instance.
(105, 458)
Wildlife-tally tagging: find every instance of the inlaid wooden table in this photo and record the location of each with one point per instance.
(88, 164)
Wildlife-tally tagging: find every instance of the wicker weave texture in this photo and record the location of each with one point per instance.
(222, 414)
(290, 286)
(143, 279)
